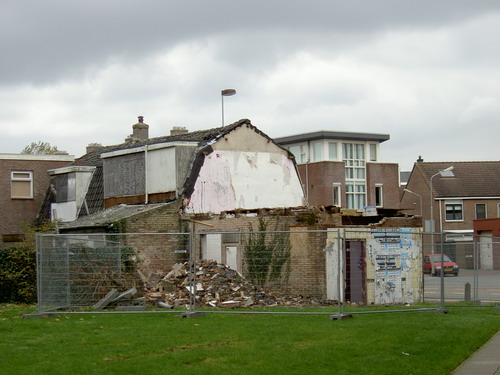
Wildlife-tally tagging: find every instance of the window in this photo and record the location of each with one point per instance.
(299, 151)
(379, 197)
(337, 194)
(454, 211)
(480, 211)
(317, 151)
(355, 195)
(498, 209)
(332, 151)
(373, 152)
(354, 158)
(21, 184)
(353, 155)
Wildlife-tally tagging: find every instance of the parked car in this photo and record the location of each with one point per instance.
(450, 267)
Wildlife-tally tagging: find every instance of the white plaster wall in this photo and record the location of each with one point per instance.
(486, 250)
(161, 176)
(63, 211)
(232, 179)
(401, 284)
(81, 185)
(211, 247)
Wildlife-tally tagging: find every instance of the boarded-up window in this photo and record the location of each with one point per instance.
(21, 184)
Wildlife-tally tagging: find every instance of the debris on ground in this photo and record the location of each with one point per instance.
(215, 285)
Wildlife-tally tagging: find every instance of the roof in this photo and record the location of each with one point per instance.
(93, 212)
(201, 136)
(323, 134)
(110, 215)
(471, 178)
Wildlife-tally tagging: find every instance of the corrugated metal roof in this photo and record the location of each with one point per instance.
(110, 215)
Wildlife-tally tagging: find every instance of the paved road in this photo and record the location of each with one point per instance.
(488, 286)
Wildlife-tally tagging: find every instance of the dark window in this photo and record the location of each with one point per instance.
(379, 200)
(481, 211)
(454, 212)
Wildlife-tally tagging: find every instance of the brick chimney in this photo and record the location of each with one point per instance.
(140, 130)
(93, 146)
(178, 130)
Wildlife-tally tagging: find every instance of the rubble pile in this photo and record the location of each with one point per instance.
(216, 285)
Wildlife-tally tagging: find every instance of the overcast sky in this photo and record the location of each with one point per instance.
(425, 72)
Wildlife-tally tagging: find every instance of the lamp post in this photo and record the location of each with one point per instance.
(447, 172)
(223, 93)
(419, 196)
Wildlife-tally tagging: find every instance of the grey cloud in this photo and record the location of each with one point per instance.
(50, 40)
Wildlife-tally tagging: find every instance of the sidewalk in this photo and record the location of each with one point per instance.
(486, 361)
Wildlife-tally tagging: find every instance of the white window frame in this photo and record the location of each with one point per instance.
(337, 194)
(317, 146)
(379, 187)
(336, 156)
(28, 178)
(355, 166)
(373, 147)
(453, 202)
(301, 158)
(498, 209)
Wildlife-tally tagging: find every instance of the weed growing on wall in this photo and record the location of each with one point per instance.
(267, 254)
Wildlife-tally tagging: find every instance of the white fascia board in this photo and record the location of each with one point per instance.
(50, 157)
(463, 198)
(152, 147)
(70, 169)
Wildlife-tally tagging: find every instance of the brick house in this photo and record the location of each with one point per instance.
(343, 169)
(461, 193)
(24, 180)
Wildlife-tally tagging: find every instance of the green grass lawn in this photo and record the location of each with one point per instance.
(389, 343)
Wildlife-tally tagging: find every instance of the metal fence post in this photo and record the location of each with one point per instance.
(339, 246)
(442, 307)
(38, 270)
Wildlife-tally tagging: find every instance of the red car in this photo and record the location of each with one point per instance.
(450, 267)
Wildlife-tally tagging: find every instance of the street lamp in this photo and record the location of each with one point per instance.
(447, 172)
(419, 196)
(223, 93)
(443, 173)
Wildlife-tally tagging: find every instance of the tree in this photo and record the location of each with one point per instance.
(39, 148)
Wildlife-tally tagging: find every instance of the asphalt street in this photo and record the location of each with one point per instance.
(486, 289)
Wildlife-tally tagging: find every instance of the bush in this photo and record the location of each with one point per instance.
(17, 275)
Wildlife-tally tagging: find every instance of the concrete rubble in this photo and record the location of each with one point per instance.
(216, 285)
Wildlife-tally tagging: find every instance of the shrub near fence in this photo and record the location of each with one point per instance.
(17, 275)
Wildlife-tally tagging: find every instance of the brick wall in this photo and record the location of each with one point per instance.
(156, 239)
(386, 174)
(14, 212)
(318, 179)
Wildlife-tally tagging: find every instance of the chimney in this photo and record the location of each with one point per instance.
(419, 160)
(178, 130)
(93, 147)
(140, 130)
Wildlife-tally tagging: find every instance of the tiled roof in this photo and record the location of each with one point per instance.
(472, 178)
(93, 158)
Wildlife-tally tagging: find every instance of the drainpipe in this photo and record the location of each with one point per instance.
(146, 196)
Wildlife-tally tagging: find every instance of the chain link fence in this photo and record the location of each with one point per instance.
(326, 271)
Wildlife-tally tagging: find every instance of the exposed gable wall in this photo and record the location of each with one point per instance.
(245, 170)
(245, 138)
